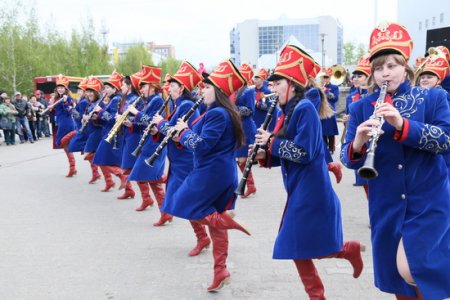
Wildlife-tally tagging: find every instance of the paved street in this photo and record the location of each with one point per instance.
(61, 238)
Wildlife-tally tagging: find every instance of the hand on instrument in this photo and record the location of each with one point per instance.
(261, 154)
(262, 137)
(390, 115)
(97, 108)
(132, 110)
(127, 123)
(181, 125)
(118, 116)
(157, 118)
(364, 132)
(153, 130)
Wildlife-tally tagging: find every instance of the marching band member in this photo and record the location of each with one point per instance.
(208, 191)
(435, 70)
(244, 99)
(329, 125)
(109, 155)
(408, 202)
(360, 77)
(311, 225)
(180, 158)
(149, 177)
(64, 120)
(130, 94)
(262, 105)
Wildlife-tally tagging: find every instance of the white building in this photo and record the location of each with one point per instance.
(258, 42)
(425, 23)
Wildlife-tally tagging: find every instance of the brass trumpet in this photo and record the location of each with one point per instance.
(433, 54)
(115, 129)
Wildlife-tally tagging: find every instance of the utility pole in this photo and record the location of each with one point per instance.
(322, 36)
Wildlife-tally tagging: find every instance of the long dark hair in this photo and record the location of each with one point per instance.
(60, 96)
(299, 92)
(223, 101)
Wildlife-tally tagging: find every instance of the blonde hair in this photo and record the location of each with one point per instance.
(325, 110)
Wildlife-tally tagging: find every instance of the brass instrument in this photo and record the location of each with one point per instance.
(433, 54)
(64, 98)
(368, 171)
(115, 129)
(339, 75)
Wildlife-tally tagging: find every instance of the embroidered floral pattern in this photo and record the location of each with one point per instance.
(244, 111)
(407, 104)
(434, 139)
(288, 150)
(164, 129)
(192, 140)
(106, 116)
(144, 121)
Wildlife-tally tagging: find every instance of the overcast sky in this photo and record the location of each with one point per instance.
(199, 29)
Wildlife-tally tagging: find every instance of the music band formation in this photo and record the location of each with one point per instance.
(209, 126)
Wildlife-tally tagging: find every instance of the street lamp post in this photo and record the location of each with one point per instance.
(322, 35)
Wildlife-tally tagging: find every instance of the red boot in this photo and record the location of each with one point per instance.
(72, 168)
(109, 183)
(336, 168)
(165, 217)
(222, 221)
(95, 174)
(220, 253)
(351, 252)
(203, 240)
(145, 192)
(159, 193)
(251, 188)
(129, 192)
(120, 174)
(310, 278)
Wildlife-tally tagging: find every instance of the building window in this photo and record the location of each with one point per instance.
(420, 25)
(441, 17)
(426, 23)
(433, 21)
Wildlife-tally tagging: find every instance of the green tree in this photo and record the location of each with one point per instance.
(170, 66)
(352, 52)
(133, 60)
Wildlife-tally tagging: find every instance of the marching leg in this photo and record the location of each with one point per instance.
(145, 192)
(220, 253)
(310, 278)
(203, 240)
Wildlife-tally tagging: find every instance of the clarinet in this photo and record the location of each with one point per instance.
(90, 115)
(171, 134)
(138, 149)
(251, 158)
(368, 171)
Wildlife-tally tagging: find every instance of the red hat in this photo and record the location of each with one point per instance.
(363, 66)
(419, 61)
(315, 70)
(262, 73)
(151, 75)
(389, 38)
(83, 84)
(226, 77)
(94, 84)
(437, 66)
(445, 51)
(327, 72)
(136, 78)
(187, 75)
(247, 71)
(294, 64)
(115, 80)
(62, 80)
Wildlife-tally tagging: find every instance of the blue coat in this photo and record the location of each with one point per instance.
(106, 155)
(64, 119)
(141, 171)
(245, 103)
(94, 132)
(211, 184)
(410, 196)
(311, 225)
(78, 142)
(329, 126)
(261, 107)
(180, 158)
(132, 134)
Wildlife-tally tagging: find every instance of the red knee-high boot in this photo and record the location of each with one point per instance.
(222, 221)
(336, 169)
(145, 192)
(203, 240)
(72, 168)
(109, 183)
(251, 188)
(351, 252)
(220, 253)
(120, 174)
(129, 192)
(310, 278)
(159, 193)
(95, 174)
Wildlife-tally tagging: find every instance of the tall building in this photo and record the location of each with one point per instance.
(428, 25)
(258, 42)
(158, 52)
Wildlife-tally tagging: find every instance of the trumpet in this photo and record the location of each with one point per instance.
(248, 165)
(368, 171)
(64, 98)
(115, 129)
(433, 54)
(138, 149)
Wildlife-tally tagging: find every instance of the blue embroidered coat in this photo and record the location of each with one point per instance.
(106, 155)
(78, 142)
(329, 126)
(311, 225)
(64, 119)
(261, 107)
(180, 158)
(132, 134)
(141, 171)
(93, 130)
(410, 196)
(211, 184)
(245, 103)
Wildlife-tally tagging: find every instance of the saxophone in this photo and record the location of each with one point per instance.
(115, 129)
